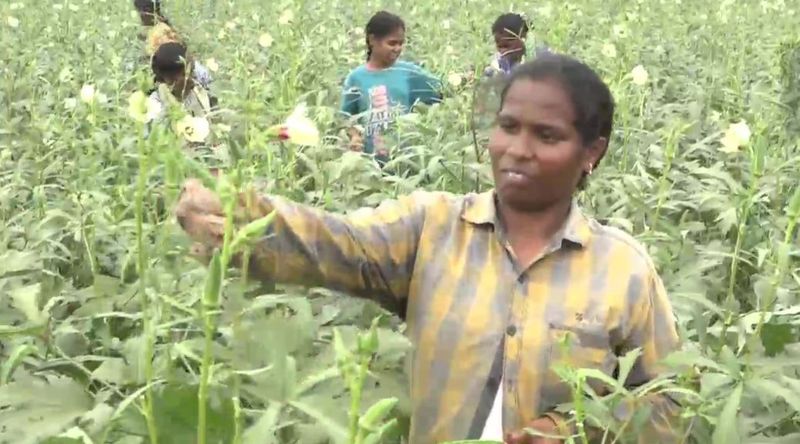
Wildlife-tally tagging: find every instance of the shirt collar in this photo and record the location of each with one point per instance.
(481, 209)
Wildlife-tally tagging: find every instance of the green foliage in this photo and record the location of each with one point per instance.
(108, 331)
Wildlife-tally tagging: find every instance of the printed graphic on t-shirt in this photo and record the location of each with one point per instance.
(380, 116)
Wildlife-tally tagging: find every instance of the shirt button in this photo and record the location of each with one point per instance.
(511, 330)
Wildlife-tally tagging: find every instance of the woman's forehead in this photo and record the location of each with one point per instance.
(529, 98)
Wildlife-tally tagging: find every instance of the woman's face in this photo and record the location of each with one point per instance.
(537, 154)
(179, 81)
(386, 50)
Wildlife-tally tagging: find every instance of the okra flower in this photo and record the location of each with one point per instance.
(297, 129)
(193, 129)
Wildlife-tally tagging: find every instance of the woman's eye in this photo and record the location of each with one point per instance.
(548, 137)
(508, 125)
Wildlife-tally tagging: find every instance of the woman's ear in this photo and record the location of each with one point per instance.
(594, 153)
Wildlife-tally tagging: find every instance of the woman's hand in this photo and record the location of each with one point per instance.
(544, 425)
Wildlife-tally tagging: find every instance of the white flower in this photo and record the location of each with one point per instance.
(15, 6)
(70, 103)
(286, 18)
(193, 129)
(65, 75)
(639, 75)
(143, 108)
(445, 24)
(299, 129)
(87, 93)
(265, 40)
(73, 8)
(12, 22)
(230, 25)
(609, 50)
(221, 35)
(454, 79)
(736, 136)
(212, 65)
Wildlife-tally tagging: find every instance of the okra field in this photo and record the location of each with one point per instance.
(111, 333)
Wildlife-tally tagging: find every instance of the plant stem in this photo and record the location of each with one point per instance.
(735, 259)
(147, 319)
(356, 388)
(209, 325)
(237, 321)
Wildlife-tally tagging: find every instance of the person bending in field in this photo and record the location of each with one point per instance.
(175, 81)
(161, 32)
(498, 289)
(384, 87)
(157, 28)
(510, 32)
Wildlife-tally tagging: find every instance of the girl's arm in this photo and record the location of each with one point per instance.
(425, 87)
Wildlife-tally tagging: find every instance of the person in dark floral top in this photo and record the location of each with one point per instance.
(510, 31)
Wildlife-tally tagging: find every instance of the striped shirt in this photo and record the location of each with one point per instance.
(473, 314)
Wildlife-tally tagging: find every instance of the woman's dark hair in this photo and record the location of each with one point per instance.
(169, 59)
(510, 23)
(152, 7)
(381, 25)
(591, 99)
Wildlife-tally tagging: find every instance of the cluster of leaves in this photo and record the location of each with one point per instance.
(103, 334)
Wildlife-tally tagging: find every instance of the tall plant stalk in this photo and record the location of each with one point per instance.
(141, 262)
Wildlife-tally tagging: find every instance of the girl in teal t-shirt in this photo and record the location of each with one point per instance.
(384, 87)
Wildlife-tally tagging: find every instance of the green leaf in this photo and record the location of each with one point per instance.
(26, 300)
(727, 428)
(263, 431)
(113, 371)
(774, 390)
(775, 337)
(626, 363)
(16, 356)
(175, 410)
(336, 431)
(32, 409)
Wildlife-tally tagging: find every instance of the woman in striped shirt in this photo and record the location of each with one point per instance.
(498, 289)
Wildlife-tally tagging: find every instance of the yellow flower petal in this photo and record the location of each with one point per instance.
(300, 129)
(193, 129)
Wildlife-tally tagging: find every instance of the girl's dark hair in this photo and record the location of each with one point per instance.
(591, 99)
(511, 23)
(169, 58)
(382, 24)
